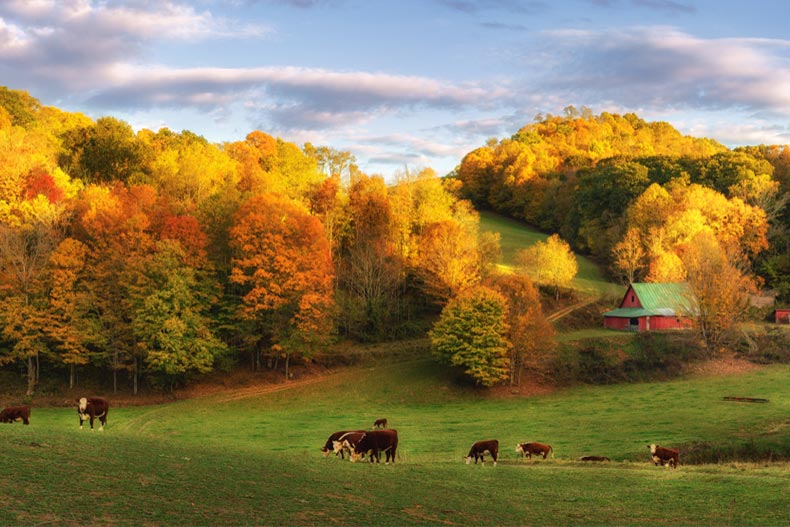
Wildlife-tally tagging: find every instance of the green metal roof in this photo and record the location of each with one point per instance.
(669, 299)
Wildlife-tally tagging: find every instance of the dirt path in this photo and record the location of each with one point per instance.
(569, 309)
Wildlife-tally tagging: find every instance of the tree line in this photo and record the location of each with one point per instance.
(155, 257)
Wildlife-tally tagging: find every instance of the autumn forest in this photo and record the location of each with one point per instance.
(156, 256)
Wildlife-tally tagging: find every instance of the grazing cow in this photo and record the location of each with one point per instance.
(527, 449)
(347, 442)
(90, 408)
(374, 443)
(593, 458)
(479, 449)
(328, 447)
(380, 423)
(15, 413)
(662, 455)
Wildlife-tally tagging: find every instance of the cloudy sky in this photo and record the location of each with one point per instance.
(404, 83)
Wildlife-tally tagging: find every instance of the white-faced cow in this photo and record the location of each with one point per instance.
(664, 456)
(329, 447)
(380, 423)
(479, 449)
(527, 449)
(15, 413)
(90, 408)
(347, 442)
(374, 442)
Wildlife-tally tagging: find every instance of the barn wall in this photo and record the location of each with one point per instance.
(630, 299)
(782, 316)
(615, 323)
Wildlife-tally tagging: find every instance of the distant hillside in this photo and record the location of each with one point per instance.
(516, 236)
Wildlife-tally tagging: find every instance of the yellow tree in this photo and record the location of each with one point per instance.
(628, 255)
(449, 261)
(550, 263)
(720, 288)
(67, 320)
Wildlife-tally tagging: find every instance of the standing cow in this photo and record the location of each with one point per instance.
(527, 449)
(374, 442)
(347, 443)
(479, 449)
(329, 446)
(380, 423)
(15, 413)
(90, 408)
(662, 455)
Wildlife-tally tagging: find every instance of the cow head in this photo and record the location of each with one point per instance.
(355, 456)
(82, 404)
(468, 459)
(652, 448)
(337, 446)
(520, 448)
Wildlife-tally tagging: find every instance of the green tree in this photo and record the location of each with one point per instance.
(471, 334)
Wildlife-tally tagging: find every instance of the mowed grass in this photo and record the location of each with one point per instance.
(516, 236)
(243, 458)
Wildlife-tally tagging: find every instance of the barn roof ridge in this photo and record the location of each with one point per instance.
(657, 298)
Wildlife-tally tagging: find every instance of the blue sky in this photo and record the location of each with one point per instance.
(404, 83)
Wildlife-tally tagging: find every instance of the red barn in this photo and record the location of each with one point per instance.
(782, 316)
(647, 307)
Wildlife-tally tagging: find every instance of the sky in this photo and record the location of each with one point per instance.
(404, 84)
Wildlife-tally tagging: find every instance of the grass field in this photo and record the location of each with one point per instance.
(249, 457)
(516, 236)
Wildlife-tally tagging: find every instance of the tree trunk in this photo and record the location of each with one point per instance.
(287, 361)
(31, 376)
(134, 391)
(71, 376)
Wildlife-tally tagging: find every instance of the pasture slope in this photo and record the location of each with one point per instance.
(252, 457)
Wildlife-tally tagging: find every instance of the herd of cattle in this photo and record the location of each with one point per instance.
(359, 443)
(88, 409)
(356, 443)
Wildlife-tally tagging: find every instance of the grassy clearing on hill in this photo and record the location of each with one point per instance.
(252, 458)
(516, 236)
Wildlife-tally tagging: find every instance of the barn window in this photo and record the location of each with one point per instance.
(632, 298)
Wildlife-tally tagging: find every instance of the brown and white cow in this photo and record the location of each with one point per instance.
(15, 413)
(347, 442)
(527, 449)
(479, 449)
(90, 408)
(329, 446)
(380, 423)
(664, 456)
(374, 442)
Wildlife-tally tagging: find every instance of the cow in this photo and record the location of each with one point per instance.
(328, 447)
(90, 408)
(662, 455)
(527, 449)
(479, 449)
(380, 423)
(374, 443)
(347, 442)
(11, 414)
(594, 458)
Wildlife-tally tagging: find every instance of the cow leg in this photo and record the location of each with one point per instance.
(25, 420)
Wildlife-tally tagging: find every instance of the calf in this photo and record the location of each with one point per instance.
(479, 449)
(15, 413)
(374, 443)
(380, 423)
(594, 458)
(90, 408)
(662, 455)
(527, 449)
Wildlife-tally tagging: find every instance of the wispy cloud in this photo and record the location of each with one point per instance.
(660, 67)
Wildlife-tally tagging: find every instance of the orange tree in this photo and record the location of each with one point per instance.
(283, 265)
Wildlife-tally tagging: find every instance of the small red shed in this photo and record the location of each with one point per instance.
(647, 307)
(782, 316)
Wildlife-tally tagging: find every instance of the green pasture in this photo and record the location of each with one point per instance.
(249, 458)
(516, 236)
